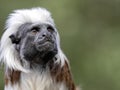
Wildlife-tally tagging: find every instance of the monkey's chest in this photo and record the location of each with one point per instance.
(37, 81)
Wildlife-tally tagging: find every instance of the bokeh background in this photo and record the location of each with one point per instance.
(90, 37)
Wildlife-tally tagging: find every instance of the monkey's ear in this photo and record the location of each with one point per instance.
(14, 39)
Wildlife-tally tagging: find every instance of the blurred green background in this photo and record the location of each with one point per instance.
(90, 37)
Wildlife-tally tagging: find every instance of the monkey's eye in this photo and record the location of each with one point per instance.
(50, 29)
(34, 30)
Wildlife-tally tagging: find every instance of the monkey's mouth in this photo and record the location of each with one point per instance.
(45, 46)
(41, 52)
(46, 51)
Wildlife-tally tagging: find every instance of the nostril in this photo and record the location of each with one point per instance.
(44, 34)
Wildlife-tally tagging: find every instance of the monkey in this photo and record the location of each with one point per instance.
(30, 50)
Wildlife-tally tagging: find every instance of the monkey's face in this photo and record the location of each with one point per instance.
(35, 43)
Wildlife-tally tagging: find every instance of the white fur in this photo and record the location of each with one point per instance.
(9, 55)
(36, 81)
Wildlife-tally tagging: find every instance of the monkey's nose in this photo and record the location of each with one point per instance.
(44, 35)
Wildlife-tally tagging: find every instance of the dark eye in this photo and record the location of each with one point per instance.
(34, 30)
(50, 29)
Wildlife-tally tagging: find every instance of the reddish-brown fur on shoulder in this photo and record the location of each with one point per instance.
(63, 75)
(12, 76)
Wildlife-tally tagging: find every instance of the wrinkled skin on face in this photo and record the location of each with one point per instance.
(35, 43)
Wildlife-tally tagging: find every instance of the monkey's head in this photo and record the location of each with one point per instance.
(30, 37)
(35, 42)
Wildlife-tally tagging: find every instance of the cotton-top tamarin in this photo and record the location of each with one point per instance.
(30, 50)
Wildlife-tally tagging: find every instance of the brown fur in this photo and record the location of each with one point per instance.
(12, 76)
(63, 75)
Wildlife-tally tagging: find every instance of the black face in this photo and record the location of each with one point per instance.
(35, 43)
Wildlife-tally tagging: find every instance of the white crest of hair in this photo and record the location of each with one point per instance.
(9, 55)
